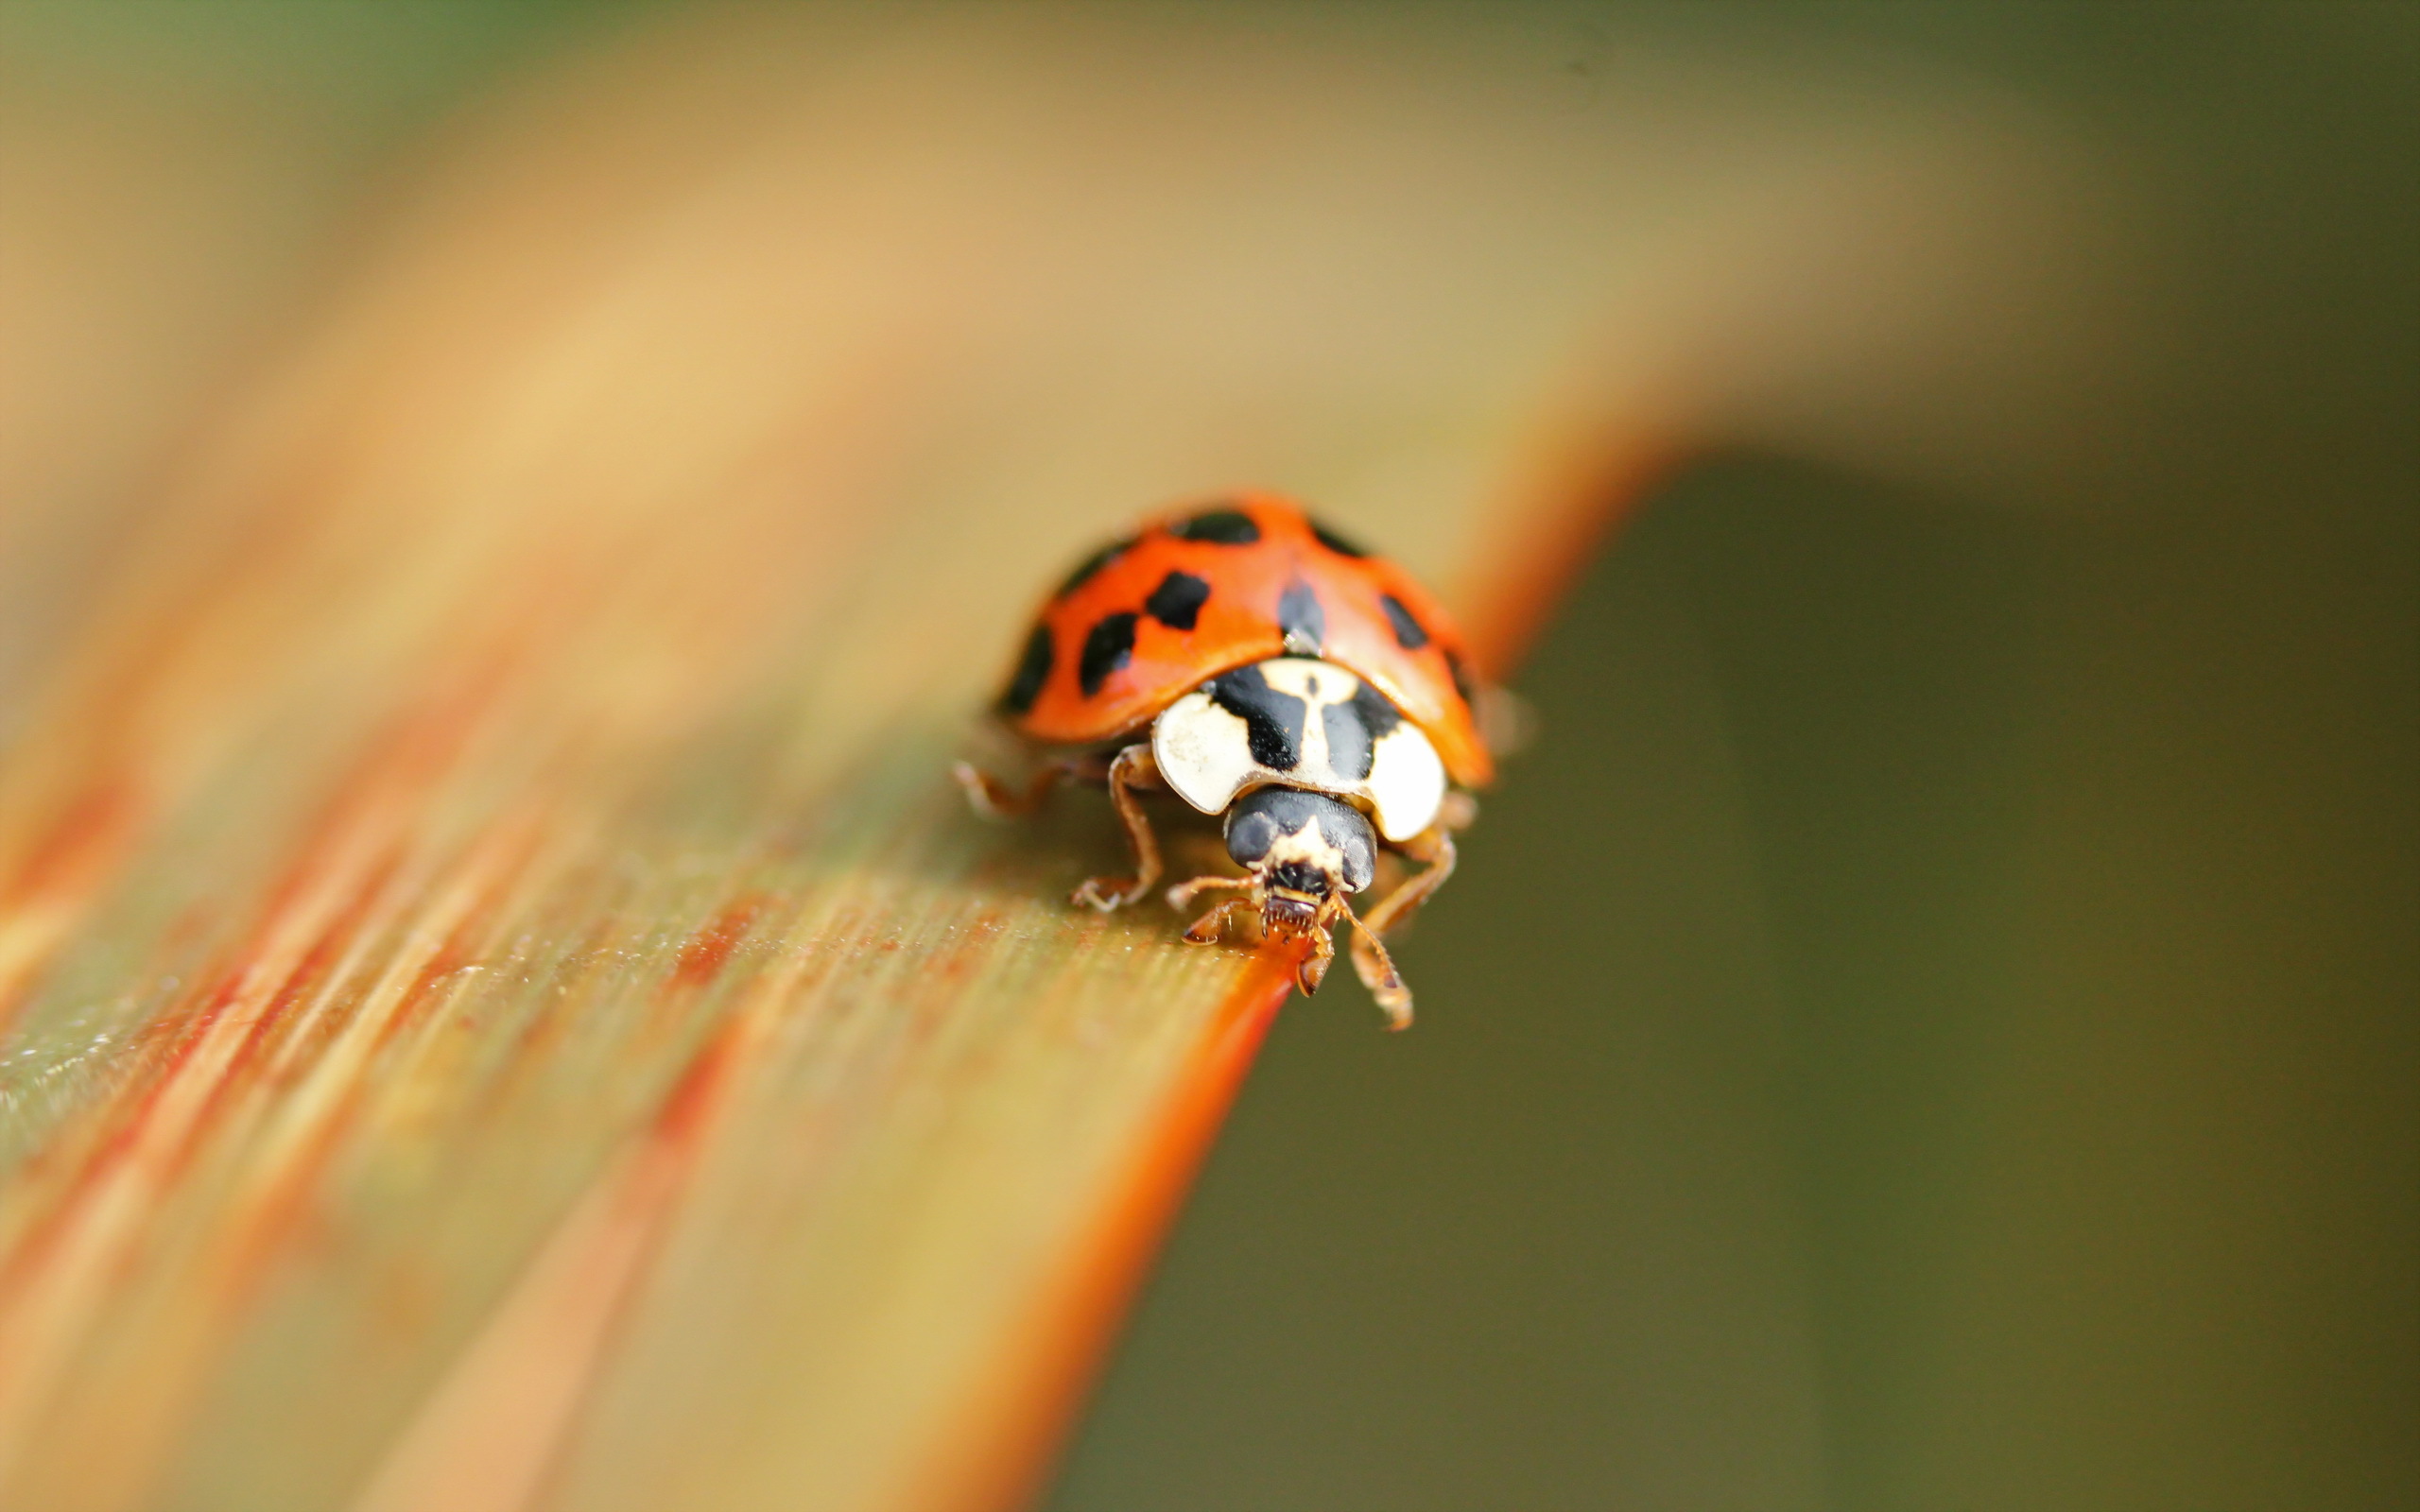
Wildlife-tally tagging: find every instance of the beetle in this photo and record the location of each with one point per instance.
(1267, 670)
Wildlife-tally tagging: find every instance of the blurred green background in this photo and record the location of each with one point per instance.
(1935, 1019)
(1930, 1024)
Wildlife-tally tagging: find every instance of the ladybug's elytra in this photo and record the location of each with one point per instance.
(1314, 694)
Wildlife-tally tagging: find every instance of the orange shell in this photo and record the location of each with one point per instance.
(1102, 622)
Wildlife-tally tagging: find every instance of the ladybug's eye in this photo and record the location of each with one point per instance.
(1250, 836)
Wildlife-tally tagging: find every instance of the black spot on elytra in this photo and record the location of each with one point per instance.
(1353, 730)
(1341, 545)
(1177, 602)
(1219, 528)
(1108, 646)
(1409, 634)
(1301, 619)
(1461, 675)
(1273, 721)
(1033, 670)
(1091, 566)
(1256, 820)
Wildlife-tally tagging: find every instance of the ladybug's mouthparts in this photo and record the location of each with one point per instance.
(1286, 918)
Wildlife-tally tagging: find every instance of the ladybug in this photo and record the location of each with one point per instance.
(1261, 667)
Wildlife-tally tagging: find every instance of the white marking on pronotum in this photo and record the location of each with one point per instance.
(1205, 753)
(1407, 783)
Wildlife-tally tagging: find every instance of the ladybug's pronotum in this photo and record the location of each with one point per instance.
(1264, 668)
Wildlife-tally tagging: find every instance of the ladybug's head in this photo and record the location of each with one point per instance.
(1307, 853)
(1303, 848)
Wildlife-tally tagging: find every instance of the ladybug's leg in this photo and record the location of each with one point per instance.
(1377, 970)
(1133, 770)
(1210, 926)
(1312, 970)
(1457, 812)
(1434, 845)
(996, 799)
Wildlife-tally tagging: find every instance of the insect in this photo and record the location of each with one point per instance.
(1264, 668)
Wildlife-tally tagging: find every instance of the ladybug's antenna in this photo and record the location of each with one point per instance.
(1384, 983)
